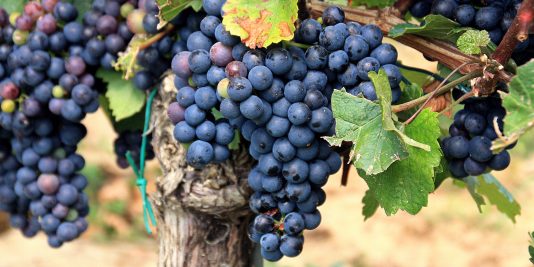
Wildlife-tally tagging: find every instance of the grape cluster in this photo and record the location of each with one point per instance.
(47, 86)
(203, 63)
(468, 148)
(131, 141)
(279, 101)
(105, 32)
(343, 54)
(492, 16)
(155, 59)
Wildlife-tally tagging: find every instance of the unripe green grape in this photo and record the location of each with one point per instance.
(13, 18)
(58, 91)
(222, 87)
(20, 37)
(8, 106)
(135, 21)
(126, 9)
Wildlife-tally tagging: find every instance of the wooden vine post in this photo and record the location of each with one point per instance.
(202, 215)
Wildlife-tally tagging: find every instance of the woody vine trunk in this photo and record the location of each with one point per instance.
(202, 215)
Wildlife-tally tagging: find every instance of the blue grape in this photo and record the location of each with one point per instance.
(385, 54)
(365, 66)
(279, 61)
(260, 77)
(199, 154)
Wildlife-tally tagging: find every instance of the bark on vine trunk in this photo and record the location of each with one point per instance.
(202, 215)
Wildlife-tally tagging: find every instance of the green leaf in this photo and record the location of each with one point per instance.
(359, 121)
(13, 6)
(405, 185)
(383, 91)
(471, 41)
(487, 187)
(260, 23)
(132, 123)
(435, 26)
(169, 9)
(127, 60)
(370, 205)
(373, 3)
(442, 173)
(410, 92)
(519, 105)
(124, 99)
(415, 76)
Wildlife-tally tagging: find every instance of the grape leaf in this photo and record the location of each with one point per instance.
(13, 6)
(406, 184)
(434, 26)
(370, 205)
(519, 106)
(442, 173)
(260, 23)
(383, 91)
(487, 187)
(124, 99)
(471, 41)
(132, 123)
(373, 3)
(359, 121)
(415, 75)
(169, 9)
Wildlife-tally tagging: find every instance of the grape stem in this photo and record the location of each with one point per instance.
(518, 32)
(434, 92)
(418, 101)
(154, 39)
(462, 98)
(346, 170)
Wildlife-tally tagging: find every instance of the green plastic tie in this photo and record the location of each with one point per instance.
(140, 172)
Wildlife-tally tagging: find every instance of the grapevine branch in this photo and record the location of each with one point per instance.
(518, 32)
(154, 39)
(416, 102)
(447, 54)
(433, 93)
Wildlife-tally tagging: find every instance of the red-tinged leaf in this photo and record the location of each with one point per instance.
(260, 23)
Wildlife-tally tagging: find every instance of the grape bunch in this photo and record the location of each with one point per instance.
(105, 32)
(155, 59)
(468, 148)
(342, 54)
(279, 101)
(131, 141)
(205, 58)
(47, 86)
(492, 16)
